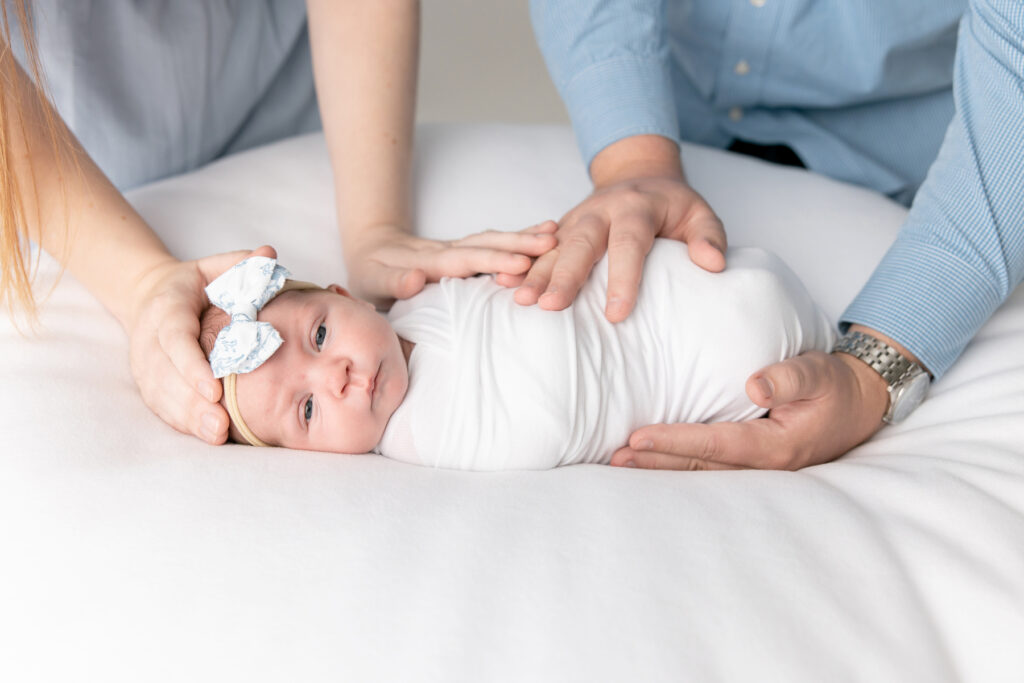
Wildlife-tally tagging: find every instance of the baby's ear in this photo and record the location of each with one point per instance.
(338, 289)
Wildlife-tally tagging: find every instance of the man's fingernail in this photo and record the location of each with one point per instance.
(644, 445)
(208, 390)
(629, 463)
(766, 387)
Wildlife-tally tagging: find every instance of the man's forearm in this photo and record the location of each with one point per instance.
(961, 252)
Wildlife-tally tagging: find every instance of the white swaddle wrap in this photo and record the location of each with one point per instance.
(494, 385)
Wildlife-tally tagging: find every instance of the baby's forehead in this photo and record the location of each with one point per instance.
(294, 299)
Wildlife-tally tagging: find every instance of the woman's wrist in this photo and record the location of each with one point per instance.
(367, 236)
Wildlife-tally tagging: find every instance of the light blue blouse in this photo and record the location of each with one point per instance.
(153, 88)
(875, 92)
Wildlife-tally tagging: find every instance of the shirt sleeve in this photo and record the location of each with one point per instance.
(961, 252)
(609, 60)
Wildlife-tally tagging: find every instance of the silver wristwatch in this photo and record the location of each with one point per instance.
(908, 382)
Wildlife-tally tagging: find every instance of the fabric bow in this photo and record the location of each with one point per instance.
(245, 344)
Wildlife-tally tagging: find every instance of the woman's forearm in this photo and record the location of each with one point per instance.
(69, 207)
(365, 57)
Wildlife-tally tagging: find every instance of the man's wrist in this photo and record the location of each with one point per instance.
(903, 351)
(875, 372)
(638, 156)
(874, 391)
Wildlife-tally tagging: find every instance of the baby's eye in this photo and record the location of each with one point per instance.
(321, 334)
(308, 412)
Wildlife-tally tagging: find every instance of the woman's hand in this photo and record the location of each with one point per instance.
(171, 370)
(392, 264)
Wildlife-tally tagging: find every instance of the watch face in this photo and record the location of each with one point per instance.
(908, 396)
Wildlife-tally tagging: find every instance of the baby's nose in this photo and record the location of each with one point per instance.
(336, 377)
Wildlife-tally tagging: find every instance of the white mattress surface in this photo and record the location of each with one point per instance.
(130, 552)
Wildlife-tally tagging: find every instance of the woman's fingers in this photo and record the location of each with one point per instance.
(527, 243)
(171, 394)
(211, 267)
(464, 261)
(509, 280)
(178, 342)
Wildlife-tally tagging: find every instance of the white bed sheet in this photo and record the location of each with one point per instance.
(130, 552)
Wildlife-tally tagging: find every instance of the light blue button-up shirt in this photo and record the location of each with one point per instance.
(878, 93)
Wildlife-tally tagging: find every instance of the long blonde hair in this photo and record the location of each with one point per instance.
(17, 267)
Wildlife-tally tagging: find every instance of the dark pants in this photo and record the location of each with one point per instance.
(777, 154)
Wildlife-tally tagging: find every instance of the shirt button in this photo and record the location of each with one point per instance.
(736, 113)
(757, 3)
(742, 68)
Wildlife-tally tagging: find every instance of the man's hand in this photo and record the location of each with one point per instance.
(392, 264)
(170, 368)
(640, 193)
(821, 405)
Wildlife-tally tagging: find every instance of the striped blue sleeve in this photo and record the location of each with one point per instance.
(961, 252)
(610, 61)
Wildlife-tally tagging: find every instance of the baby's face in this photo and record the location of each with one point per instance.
(334, 382)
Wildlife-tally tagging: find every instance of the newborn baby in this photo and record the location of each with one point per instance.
(460, 376)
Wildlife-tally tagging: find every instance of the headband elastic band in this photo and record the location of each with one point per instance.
(229, 381)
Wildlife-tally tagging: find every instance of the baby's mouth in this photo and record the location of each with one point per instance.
(371, 388)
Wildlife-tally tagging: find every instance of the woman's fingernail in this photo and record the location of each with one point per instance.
(210, 424)
(629, 463)
(644, 445)
(208, 390)
(766, 387)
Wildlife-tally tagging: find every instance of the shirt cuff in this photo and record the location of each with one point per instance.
(618, 98)
(927, 299)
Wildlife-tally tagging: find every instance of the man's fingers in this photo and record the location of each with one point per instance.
(754, 443)
(799, 378)
(537, 279)
(705, 238)
(628, 245)
(577, 255)
(653, 460)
